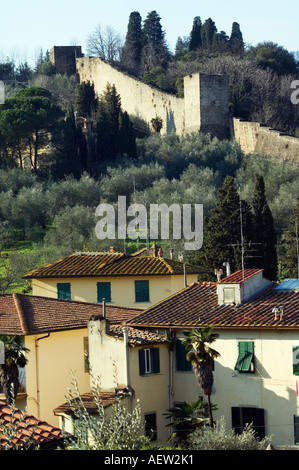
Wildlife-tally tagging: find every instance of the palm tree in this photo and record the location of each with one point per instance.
(186, 417)
(9, 371)
(201, 355)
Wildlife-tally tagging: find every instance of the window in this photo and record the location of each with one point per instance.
(245, 362)
(296, 429)
(296, 360)
(104, 291)
(180, 353)
(151, 426)
(243, 415)
(228, 295)
(149, 361)
(64, 291)
(141, 291)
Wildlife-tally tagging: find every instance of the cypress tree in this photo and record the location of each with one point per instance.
(131, 51)
(86, 101)
(208, 32)
(222, 232)
(236, 42)
(154, 51)
(264, 233)
(290, 261)
(195, 35)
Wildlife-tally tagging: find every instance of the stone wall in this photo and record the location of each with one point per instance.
(204, 107)
(64, 58)
(255, 138)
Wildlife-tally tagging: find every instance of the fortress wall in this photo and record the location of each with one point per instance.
(255, 138)
(137, 98)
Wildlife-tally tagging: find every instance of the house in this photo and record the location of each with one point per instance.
(56, 334)
(256, 376)
(125, 280)
(27, 432)
(132, 365)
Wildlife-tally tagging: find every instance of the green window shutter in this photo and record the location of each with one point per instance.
(245, 357)
(296, 360)
(104, 291)
(180, 353)
(141, 291)
(296, 429)
(141, 354)
(64, 291)
(155, 352)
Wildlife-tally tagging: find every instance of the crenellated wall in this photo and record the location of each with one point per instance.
(255, 138)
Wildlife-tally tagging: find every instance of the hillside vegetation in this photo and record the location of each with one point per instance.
(52, 178)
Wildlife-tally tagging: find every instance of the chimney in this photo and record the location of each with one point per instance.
(171, 253)
(218, 273)
(112, 249)
(227, 265)
(278, 312)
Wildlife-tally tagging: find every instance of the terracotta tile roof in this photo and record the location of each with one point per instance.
(138, 337)
(25, 314)
(28, 427)
(238, 277)
(197, 306)
(89, 402)
(87, 264)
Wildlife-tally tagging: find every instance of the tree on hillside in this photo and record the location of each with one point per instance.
(9, 371)
(236, 43)
(222, 238)
(106, 45)
(86, 100)
(271, 55)
(201, 355)
(291, 244)
(131, 51)
(264, 234)
(195, 35)
(29, 116)
(208, 32)
(155, 51)
(113, 129)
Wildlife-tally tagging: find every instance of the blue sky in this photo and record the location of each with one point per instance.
(27, 27)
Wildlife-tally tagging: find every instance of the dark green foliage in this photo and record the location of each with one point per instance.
(277, 58)
(9, 372)
(236, 43)
(86, 101)
(265, 238)
(114, 131)
(291, 246)
(222, 231)
(154, 51)
(208, 32)
(131, 51)
(195, 35)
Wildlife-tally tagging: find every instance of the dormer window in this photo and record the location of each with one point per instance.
(228, 295)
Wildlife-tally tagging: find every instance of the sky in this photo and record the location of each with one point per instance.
(28, 27)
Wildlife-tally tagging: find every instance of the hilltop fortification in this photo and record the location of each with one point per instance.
(204, 108)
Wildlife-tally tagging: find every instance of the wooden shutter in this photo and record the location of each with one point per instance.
(236, 419)
(180, 353)
(245, 356)
(64, 290)
(104, 291)
(296, 360)
(141, 355)
(156, 360)
(141, 291)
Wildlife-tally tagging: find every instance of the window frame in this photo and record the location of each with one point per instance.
(149, 361)
(106, 286)
(295, 365)
(182, 365)
(142, 290)
(151, 433)
(62, 292)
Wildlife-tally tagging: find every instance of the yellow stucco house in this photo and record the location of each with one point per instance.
(56, 334)
(125, 280)
(256, 376)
